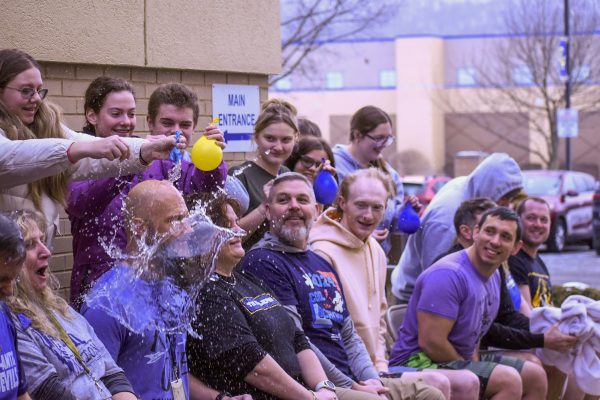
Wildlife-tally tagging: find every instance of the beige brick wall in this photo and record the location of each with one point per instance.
(67, 84)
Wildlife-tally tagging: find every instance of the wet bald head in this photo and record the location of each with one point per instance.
(153, 205)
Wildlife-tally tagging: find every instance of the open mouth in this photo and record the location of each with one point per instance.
(365, 225)
(491, 252)
(42, 271)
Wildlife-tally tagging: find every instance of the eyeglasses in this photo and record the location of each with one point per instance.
(382, 141)
(28, 93)
(308, 162)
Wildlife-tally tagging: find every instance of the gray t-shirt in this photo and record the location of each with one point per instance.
(43, 355)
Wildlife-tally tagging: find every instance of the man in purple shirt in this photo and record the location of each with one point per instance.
(455, 302)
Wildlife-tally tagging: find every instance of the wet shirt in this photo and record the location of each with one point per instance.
(44, 355)
(240, 323)
(533, 272)
(254, 177)
(12, 378)
(151, 360)
(452, 288)
(307, 281)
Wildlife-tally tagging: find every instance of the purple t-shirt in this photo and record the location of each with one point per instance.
(452, 288)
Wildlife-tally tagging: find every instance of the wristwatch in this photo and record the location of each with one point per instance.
(325, 385)
(222, 395)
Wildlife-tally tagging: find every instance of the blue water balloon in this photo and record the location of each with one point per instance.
(325, 188)
(408, 220)
(176, 154)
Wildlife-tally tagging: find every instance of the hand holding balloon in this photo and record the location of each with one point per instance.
(176, 154)
(325, 187)
(207, 153)
(408, 220)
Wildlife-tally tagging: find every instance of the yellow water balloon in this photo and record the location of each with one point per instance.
(206, 154)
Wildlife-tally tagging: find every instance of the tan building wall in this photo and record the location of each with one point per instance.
(147, 42)
(209, 35)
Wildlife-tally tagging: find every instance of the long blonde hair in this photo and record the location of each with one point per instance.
(28, 301)
(46, 124)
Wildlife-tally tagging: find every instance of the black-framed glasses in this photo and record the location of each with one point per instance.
(28, 93)
(382, 141)
(308, 162)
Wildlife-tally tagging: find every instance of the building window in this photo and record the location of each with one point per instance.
(521, 75)
(387, 78)
(465, 76)
(581, 73)
(335, 80)
(284, 83)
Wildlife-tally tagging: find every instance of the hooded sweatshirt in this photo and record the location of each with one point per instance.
(361, 266)
(346, 164)
(493, 178)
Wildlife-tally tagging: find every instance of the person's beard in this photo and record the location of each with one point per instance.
(290, 235)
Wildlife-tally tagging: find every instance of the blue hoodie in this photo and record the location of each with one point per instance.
(346, 164)
(497, 175)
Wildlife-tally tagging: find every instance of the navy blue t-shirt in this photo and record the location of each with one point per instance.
(12, 378)
(307, 281)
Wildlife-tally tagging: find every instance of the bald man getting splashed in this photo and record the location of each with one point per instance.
(141, 308)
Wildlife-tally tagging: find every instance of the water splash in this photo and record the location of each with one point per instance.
(156, 287)
(175, 173)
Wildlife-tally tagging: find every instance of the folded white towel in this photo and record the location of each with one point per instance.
(578, 316)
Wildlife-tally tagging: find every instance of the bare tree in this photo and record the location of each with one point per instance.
(309, 24)
(532, 53)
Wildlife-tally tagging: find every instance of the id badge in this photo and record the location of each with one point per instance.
(177, 390)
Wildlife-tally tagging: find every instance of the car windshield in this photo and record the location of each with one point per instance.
(412, 189)
(541, 185)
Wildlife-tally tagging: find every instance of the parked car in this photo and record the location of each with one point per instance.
(424, 187)
(569, 195)
(596, 219)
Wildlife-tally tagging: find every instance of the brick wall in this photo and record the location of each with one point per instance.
(67, 84)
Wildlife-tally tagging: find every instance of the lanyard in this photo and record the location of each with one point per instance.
(171, 340)
(69, 343)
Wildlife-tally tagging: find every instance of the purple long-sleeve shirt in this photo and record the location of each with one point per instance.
(94, 209)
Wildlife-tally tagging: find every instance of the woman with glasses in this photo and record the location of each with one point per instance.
(370, 133)
(34, 173)
(310, 155)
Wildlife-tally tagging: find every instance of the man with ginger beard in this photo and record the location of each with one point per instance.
(154, 361)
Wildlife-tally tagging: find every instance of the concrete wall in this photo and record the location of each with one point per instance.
(209, 35)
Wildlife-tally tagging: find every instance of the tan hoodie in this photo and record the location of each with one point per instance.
(362, 268)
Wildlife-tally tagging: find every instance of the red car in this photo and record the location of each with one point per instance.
(569, 195)
(424, 187)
